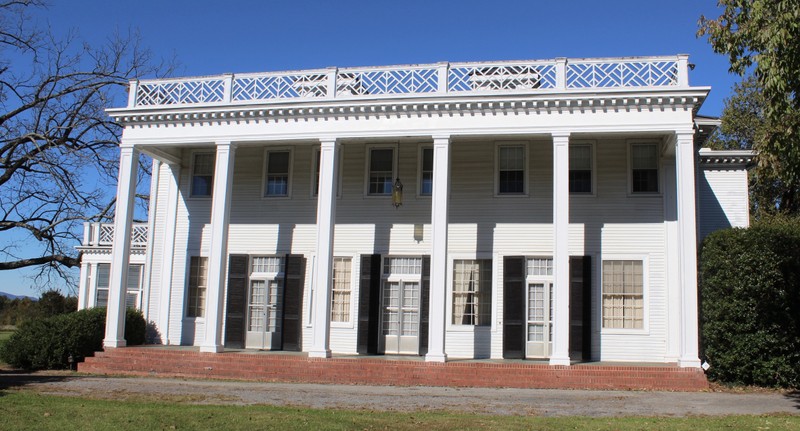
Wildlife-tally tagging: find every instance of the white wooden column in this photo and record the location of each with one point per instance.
(687, 231)
(155, 175)
(440, 196)
(323, 272)
(218, 256)
(83, 287)
(170, 203)
(121, 247)
(673, 261)
(560, 318)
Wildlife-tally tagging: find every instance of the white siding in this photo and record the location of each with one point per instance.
(481, 224)
(723, 200)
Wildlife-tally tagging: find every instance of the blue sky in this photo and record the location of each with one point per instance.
(214, 37)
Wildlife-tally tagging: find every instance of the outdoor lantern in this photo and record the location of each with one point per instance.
(397, 193)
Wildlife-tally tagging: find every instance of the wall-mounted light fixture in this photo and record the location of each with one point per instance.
(397, 193)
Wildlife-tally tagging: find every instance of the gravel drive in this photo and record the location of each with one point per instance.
(540, 402)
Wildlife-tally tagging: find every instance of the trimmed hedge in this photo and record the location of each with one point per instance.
(750, 304)
(47, 343)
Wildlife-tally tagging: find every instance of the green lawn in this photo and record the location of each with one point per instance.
(24, 410)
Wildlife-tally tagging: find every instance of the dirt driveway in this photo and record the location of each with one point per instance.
(542, 402)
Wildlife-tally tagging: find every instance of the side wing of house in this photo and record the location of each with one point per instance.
(723, 197)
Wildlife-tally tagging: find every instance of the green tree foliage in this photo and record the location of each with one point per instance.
(16, 311)
(764, 36)
(745, 127)
(750, 304)
(47, 343)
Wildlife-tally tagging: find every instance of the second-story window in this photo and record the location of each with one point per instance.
(381, 171)
(277, 173)
(426, 172)
(580, 169)
(511, 170)
(644, 168)
(202, 174)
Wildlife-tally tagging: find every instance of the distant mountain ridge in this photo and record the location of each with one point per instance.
(12, 296)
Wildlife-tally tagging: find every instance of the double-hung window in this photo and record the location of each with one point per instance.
(198, 282)
(202, 174)
(426, 172)
(580, 169)
(133, 286)
(511, 169)
(644, 168)
(277, 173)
(623, 294)
(381, 171)
(472, 292)
(340, 292)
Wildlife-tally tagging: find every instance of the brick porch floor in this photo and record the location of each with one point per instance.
(168, 361)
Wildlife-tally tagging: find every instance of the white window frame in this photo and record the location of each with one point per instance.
(659, 167)
(526, 168)
(368, 157)
(193, 156)
(267, 277)
(188, 288)
(645, 259)
(264, 172)
(316, 151)
(420, 169)
(353, 293)
(493, 259)
(592, 149)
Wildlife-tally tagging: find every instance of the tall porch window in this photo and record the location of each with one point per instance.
(266, 289)
(511, 162)
(133, 286)
(340, 292)
(426, 172)
(472, 292)
(580, 169)
(198, 282)
(381, 171)
(623, 294)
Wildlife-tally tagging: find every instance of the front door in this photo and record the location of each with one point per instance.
(539, 320)
(400, 305)
(264, 297)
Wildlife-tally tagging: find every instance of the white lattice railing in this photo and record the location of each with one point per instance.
(440, 78)
(102, 234)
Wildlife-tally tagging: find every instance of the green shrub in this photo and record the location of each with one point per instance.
(750, 304)
(47, 343)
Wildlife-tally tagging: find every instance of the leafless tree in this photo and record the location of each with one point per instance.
(58, 148)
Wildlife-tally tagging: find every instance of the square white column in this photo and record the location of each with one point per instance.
(440, 196)
(170, 205)
(218, 256)
(560, 341)
(121, 246)
(687, 247)
(323, 272)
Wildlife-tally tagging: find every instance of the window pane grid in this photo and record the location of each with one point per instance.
(426, 186)
(268, 264)
(202, 174)
(540, 266)
(197, 286)
(644, 168)
(472, 292)
(340, 306)
(277, 173)
(402, 266)
(511, 169)
(623, 297)
(381, 170)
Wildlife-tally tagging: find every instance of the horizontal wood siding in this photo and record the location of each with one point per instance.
(723, 200)
(610, 222)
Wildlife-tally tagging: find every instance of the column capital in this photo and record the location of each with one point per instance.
(441, 139)
(225, 145)
(560, 137)
(684, 134)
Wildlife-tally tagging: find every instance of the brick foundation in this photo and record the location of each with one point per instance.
(276, 367)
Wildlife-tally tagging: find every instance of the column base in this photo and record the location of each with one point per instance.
(212, 349)
(560, 361)
(689, 363)
(432, 357)
(114, 343)
(324, 354)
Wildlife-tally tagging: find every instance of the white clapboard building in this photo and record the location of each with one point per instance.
(530, 209)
